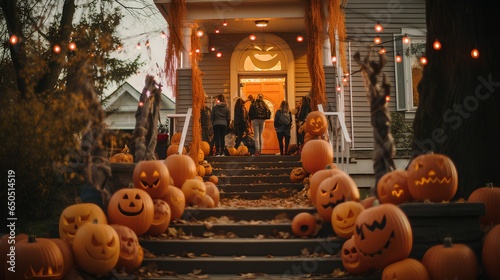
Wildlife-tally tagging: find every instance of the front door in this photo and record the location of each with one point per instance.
(274, 92)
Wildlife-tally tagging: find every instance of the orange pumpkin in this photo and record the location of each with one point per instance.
(408, 269)
(232, 151)
(67, 255)
(200, 170)
(203, 201)
(122, 157)
(214, 179)
(451, 261)
(200, 156)
(383, 235)
(213, 192)
(130, 257)
(205, 147)
(297, 174)
(368, 201)
(176, 200)
(74, 216)
(432, 177)
(192, 187)
(304, 224)
(161, 218)
(333, 191)
(316, 123)
(96, 248)
(344, 216)
(491, 253)
(36, 258)
(353, 261)
(318, 177)
(242, 150)
(490, 196)
(174, 149)
(176, 138)
(181, 168)
(393, 187)
(208, 168)
(316, 154)
(151, 176)
(131, 207)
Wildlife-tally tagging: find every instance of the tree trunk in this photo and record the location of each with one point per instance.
(459, 107)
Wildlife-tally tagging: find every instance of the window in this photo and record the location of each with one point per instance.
(409, 71)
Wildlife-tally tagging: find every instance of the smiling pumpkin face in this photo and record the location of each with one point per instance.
(352, 261)
(161, 218)
(131, 207)
(74, 216)
(344, 217)
(151, 176)
(393, 187)
(130, 249)
(316, 123)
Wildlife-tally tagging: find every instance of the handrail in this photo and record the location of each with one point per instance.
(345, 137)
(187, 117)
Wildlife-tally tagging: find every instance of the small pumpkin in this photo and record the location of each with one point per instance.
(490, 196)
(304, 224)
(451, 261)
(214, 179)
(344, 217)
(393, 187)
(213, 192)
(131, 207)
(181, 168)
(74, 216)
(297, 174)
(96, 248)
(174, 149)
(200, 156)
(192, 187)
(491, 253)
(203, 201)
(161, 218)
(176, 138)
(432, 177)
(205, 147)
(352, 261)
(176, 200)
(316, 123)
(124, 156)
(408, 269)
(36, 258)
(383, 235)
(130, 257)
(151, 176)
(208, 168)
(200, 170)
(242, 150)
(316, 154)
(333, 191)
(232, 151)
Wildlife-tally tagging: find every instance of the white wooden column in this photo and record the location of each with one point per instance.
(186, 43)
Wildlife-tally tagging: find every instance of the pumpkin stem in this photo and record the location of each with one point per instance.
(447, 242)
(31, 238)
(376, 202)
(489, 185)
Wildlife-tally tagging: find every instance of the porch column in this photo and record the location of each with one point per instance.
(185, 57)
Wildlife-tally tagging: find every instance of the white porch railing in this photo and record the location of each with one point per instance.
(187, 118)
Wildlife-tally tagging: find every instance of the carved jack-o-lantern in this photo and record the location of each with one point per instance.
(74, 216)
(393, 187)
(96, 248)
(176, 199)
(333, 191)
(408, 269)
(297, 174)
(318, 177)
(383, 235)
(130, 257)
(304, 224)
(161, 217)
(352, 261)
(316, 123)
(432, 177)
(192, 187)
(131, 207)
(151, 176)
(344, 218)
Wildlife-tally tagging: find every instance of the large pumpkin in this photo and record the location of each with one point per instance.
(383, 235)
(74, 216)
(491, 253)
(161, 218)
(318, 177)
(181, 168)
(213, 191)
(393, 187)
(176, 199)
(67, 255)
(174, 149)
(192, 187)
(316, 123)
(96, 248)
(352, 261)
(304, 224)
(432, 177)
(333, 191)
(343, 218)
(131, 207)
(131, 254)
(36, 258)
(451, 261)
(407, 269)
(490, 196)
(316, 154)
(151, 176)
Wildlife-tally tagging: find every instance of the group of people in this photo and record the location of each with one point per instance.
(218, 121)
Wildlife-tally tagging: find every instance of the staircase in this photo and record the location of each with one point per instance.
(248, 240)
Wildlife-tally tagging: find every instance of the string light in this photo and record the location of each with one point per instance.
(436, 45)
(339, 88)
(56, 48)
(138, 46)
(387, 98)
(423, 60)
(224, 23)
(378, 27)
(377, 40)
(382, 50)
(199, 33)
(13, 40)
(219, 54)
(147, 43)
(406, 40)
(253, 37)
(474, 53)
(212, 49)
(399, 58)
(300, 38)
(163, 34)
(217, 31)
(72, 46)
(334, 59)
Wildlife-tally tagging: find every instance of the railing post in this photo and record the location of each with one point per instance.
(187, 118)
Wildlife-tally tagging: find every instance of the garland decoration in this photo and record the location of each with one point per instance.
(176, 16)
(336, 23)
(198, 94)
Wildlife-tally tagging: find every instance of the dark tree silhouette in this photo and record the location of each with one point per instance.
(459, 109)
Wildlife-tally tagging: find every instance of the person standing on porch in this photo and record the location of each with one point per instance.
(240, 120)
(282, 125)
(258, 114)
(220, 117)
(304, 110)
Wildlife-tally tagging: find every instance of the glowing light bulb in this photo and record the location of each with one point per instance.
(13, 40)
(138, 46)
(72, 46)
(219, 54)
(406, 40)
(163, 34)
(253, 37)
(334, 59)
(212, 49)
(200, 33)
(217, 31)
(339, 88)
(382, 50)
(378, 27)
(387, 98)
(436, 45)
(474, 53)
(300, 38)
(224, 23)
(56, 48)
(377, 40)
(399, 58)
(423, 60)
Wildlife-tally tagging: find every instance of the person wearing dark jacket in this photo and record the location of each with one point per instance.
(282, 125)
(220, 117)
(240, 120)
(304, 110)
(258, 114)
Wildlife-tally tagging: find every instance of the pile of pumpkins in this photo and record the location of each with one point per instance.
(377, 233)
(97, 241)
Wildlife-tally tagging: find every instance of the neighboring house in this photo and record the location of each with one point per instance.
(126, 99)
(274, 63)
